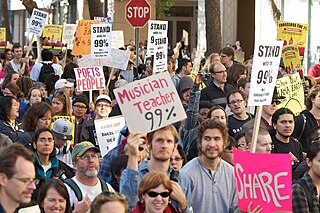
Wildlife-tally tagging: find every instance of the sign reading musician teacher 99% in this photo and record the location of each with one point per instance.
(150, 103)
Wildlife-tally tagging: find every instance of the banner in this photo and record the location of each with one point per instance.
(160, 63)
(155, 28)
(52, 35)
(150, 103)
(108, 131)
(82, 40)
(291, 58)
(292, 89)
(72, 119)
(293, 33)
(266, 184)
(265, 67)
(100, 40)
(3, 40)
(68, 34)
(37, 22)
(89, 78)
(117, 59)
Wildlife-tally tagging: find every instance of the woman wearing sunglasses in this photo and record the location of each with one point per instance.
(154, 193)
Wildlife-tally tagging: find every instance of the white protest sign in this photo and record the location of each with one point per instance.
(100, 40)
(160, 54)
(107, 131)
(89, 78)
(37, 21)
(68, 34)
(87, 61)
(117, 59)
(117, 39)
(265, 66)
(155, 28)
(150, 103)
(103, 20)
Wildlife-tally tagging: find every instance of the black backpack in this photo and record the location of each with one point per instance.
(46, 69)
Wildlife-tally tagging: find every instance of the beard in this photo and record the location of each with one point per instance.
(86, 173)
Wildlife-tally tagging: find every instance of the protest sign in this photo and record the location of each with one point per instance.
(293, 33)
(117, 59)
(68, 34)
(153, 101)
(87, 61)
(266, 184)
(117, 39)
(2, 38)
(52, 34)
(82, 40)
(291, 59)
(72, 119)
(160, 54)
(155, 28)
(103, 20)
(291, 88)
(37, 21)
(264, 72)
(89, 78)
(100, 40)
(107, 131)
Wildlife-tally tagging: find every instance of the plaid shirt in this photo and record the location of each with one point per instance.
(299, 197)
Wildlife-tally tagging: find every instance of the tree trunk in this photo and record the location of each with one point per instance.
(5, 18)
(213, 26)
(275, 11)
(30, 5)
(95, 8)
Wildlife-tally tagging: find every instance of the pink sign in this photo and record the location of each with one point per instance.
(264, 179)
(89, 78)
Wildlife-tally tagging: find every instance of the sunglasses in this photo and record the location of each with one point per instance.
(155, 194)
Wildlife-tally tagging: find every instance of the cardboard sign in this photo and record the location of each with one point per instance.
(3, 39)
(107, 131)
(155, 28)
(100, 40)
(117, 39)
(72, 119)
(150, 103)
(160, 54)
(52, 34)
(37, 21)
(87, 61)
(292, 89)
(293, 33)
(90, 78)
(264, 72)
(291, 58)
(117, 59)
(68, 34)
(266, 184)
(82, 40)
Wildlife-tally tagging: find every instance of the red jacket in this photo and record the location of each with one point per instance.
(140, 208)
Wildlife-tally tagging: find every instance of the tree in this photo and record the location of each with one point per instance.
(5, 19)
(213, 26)
(275, 11)
(95, 8)
(30, 5)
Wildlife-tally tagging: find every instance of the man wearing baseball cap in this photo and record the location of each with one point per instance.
(85, 159)
(103, 108)
(62, 133)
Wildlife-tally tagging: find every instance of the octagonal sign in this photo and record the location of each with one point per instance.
(138, 12)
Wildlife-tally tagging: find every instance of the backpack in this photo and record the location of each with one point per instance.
(77, 190)
(46, 69)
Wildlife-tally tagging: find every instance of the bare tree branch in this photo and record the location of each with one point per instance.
(275, 11)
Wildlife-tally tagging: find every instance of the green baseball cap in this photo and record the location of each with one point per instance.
(80, 148)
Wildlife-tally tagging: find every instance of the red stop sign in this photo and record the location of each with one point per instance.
(138, 12)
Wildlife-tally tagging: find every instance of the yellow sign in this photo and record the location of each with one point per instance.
(82, 40)
(291, 88)
(293, 33)
(291, 58)
(72, 119)
(52, 35)
(2, 38)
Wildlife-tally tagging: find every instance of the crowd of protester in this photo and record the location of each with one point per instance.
(184, 167)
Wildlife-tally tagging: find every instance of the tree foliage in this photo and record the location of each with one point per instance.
(163, 6)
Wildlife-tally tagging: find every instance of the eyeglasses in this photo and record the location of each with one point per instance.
(80, 107)
(177, 158)
(44, 140)
(276, 102)
(235, 102)
(93, 156)
(104, 105)
(155, 194)
(28, 181)
(222, 71)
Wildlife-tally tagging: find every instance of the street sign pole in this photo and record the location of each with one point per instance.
(137, 34)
